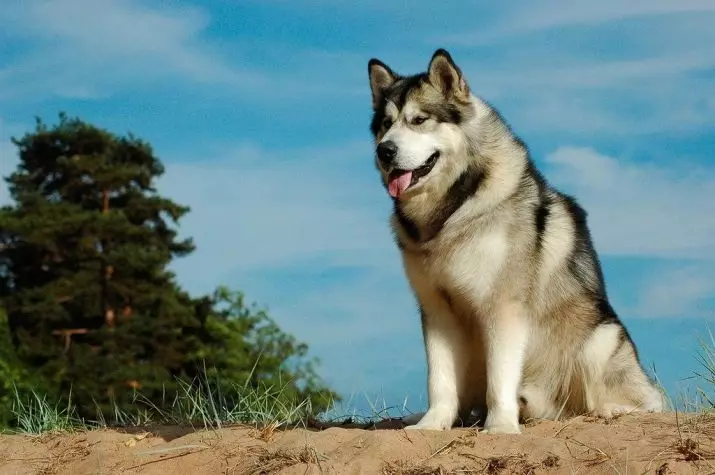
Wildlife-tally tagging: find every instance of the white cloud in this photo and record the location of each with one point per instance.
(533, 16)
(538, 15)
(605, 74)
(637, 105)
(79, 48)
(125, 44)
(640, 209)
(679, 292)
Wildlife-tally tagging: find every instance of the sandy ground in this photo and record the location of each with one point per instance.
(632, 444)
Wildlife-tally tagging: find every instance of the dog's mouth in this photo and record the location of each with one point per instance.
(400, 180)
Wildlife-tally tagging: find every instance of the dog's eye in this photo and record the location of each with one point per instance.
(386, 122)
(417, 120)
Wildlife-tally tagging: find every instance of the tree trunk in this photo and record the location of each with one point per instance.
(109, 317)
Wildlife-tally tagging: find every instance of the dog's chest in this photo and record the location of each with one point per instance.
(467, 264)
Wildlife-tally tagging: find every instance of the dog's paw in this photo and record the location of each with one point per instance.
(434, 419)
(610, 410)
(502, 429)
(502, 423)
(429, 426)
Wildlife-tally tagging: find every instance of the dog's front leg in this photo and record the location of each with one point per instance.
(506, 333)
(446, 366)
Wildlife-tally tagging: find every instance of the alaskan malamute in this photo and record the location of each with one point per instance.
(515, 316)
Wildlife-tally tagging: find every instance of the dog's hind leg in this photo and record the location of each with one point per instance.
(614, 381)
(535, 402)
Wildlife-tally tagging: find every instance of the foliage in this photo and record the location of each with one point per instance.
(14, 376)
(243, 343)
(92, 309)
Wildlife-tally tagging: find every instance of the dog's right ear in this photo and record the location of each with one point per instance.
(381, 77)
(446, 75)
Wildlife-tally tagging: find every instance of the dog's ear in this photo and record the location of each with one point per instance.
(446, 76)
(381, 77)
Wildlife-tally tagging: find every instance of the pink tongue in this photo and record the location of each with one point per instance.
(399, 184)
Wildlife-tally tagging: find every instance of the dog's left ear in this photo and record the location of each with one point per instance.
(381, 77)
(446, 76)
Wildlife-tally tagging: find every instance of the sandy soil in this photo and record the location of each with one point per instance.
(659, 444)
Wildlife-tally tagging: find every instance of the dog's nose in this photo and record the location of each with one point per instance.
(386, 151)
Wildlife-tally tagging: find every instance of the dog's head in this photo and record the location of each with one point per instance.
(417, 122)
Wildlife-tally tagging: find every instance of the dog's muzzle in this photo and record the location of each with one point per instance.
(399, 180)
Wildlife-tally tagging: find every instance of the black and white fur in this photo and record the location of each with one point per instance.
(515, 316)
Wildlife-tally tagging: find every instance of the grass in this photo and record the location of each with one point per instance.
(271, 461)
(195, 404)
(706, 355)
(36, 415)
(213, 406)
(202, 402)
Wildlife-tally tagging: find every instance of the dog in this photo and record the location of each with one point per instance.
(515, 317)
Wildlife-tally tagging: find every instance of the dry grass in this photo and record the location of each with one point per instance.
(60, 456)
(267, 432)
(551, 461)
(402, 467)
(517, 464)
(587, 455)
(663, 469)
(272, 461)
(693, 443)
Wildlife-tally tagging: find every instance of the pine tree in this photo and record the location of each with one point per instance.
(91, 306)
(84, 256)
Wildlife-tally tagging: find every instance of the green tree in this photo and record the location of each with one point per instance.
(91, 305)
(83, 263)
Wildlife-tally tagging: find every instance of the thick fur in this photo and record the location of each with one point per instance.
(515, 316)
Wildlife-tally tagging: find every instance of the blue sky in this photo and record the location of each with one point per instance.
(260, 110)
